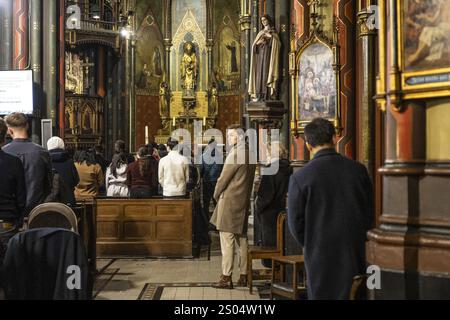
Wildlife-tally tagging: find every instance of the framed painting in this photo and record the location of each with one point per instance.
(314, 69)
(424, 42)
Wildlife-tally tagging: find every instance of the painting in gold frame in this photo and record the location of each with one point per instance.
(315, 81)
(424, 42)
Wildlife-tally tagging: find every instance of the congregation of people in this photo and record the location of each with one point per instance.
(329, 201)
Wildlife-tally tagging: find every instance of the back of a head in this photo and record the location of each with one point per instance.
(319, 132)
(87, 156)
(172, 144)
(143, 152)
(17, 120)
(162, 147)
(3, 130)
(119, 146)
(55, 143)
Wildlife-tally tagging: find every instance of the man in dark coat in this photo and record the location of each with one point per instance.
(330, 209)
(271, 199)
(12, 193)
(36, 161)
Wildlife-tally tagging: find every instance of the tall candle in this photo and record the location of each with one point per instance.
(174, 122)
(146, 134)
(204, 121)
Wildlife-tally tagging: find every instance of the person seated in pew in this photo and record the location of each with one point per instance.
(173, 171)
(140, 174)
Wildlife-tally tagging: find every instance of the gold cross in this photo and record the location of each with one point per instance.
(314, 4)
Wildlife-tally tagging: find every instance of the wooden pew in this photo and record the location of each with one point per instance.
(156, 227)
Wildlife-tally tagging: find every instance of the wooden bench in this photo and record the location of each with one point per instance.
(156, 227)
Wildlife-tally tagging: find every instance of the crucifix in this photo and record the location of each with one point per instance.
(313, 4)
(85, 65)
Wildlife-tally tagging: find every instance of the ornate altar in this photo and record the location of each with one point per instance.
(83, 121)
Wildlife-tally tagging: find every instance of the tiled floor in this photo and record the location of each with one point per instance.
(125, 279)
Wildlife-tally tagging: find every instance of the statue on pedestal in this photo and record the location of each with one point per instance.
(164, 98)
(189, 69)
(213, 101)
(265, 63)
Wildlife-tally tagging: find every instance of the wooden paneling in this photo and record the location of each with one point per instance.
(147, 114)
(153, 227)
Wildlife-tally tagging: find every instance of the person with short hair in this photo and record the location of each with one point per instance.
(232, 193)
(35, 159)
(329, 213)
(64, 166)
(90, 173)
(173, 171)
(12, 192)
(140, 178)
(120, 147)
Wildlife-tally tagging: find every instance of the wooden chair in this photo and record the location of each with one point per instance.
(282, 288)
(53, 215)
(257, 252)
(358, 290)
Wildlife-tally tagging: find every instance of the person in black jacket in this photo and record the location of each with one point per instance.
(271, 197)
(12, 191)
(330, 211)
(210, 170)
(35, 159)
(63, 164)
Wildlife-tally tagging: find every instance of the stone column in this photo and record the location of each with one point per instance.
(246, 46)
(49, 82)
(36, 65)
(365, 88)
(7, 33)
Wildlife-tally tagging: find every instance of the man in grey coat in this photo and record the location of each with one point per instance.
(230, 216)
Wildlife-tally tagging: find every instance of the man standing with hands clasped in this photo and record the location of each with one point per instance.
(230, 216)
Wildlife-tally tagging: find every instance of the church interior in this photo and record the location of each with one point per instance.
(140, 70)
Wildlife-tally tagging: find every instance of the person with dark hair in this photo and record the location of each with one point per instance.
(12, 193)
(162, 151)
(173, 171)
(35, 159)
(90, 173)
(271, 197)
(116, 177)
(232, 193)
(329, 212)
(64, 167)
(210, 170)
(120, 147)
(140, 178)
(100, 158)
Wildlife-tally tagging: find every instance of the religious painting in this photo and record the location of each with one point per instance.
(426, 28)
(317, 83)
(149, 53)
(227, 66)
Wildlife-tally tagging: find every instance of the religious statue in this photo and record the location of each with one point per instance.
(87, 127)
(74, 74)
(213, 100)
(164, 96)
(264, 65)
(189, 69)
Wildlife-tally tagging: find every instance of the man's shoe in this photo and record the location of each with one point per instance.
(225, 282)
(242, 281)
